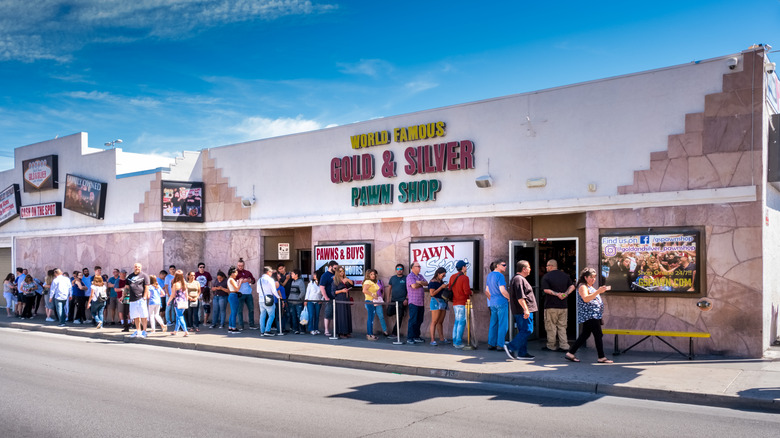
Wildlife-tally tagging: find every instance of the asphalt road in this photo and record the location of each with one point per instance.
(62, 386)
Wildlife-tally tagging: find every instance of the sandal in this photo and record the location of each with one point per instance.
(571, 358)
(605, 360)
(371, 337)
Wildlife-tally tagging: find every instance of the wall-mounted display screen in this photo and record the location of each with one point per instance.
(182, 201)
(85, 196)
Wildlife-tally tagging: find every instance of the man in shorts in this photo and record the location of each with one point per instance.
(138, 283)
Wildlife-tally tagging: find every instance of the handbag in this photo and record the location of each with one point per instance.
(391, 309)
(269, 299)
(304, 319)
(446, 294)
(181, 304)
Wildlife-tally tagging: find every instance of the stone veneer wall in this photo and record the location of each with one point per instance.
(120, 250)
(222, 204)
(390, 244)
(714, 151)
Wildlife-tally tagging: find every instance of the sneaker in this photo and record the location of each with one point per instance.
(525, 357)
(492, 347)
(253, 327)
(410, 341)
(126, 329)
(458, 346)
(100, 325)
(268, 334)
(508, 352)
(212, 326)
(134, 335)
(49, 319)
(434, 343)
(297, 332)
(143, 334)
(419, 340)
(78, 321)
(62, 325)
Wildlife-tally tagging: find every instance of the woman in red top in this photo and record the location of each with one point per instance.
(459, 284)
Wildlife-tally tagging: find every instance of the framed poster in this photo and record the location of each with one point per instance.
(354, 258)
(10, 200)
(653, 261)
(445, 254)
(85, 196)
(40, 174)
(182, 201)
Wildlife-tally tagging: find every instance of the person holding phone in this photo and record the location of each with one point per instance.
(590, 308)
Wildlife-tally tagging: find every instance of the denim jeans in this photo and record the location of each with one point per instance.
(459, 326)
(233, 300)
(246, 300)
(499, 325)
(180, 321)
(524, 329)
(218, 308)
(170, 313)
(294, 315)
(267, 314)
(97, 310)
(380, 312)
(416, 315)
(192, 316)
(314, 316)
(370, 317)
(61, 306)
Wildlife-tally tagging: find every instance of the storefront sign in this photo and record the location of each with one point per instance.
(353, 258)
(431, 158)
(283, 253)
(10, 199)
(41, 210)
(85, 196)
(433, 255)
(40, 173)
(660, 261)
(182, 201)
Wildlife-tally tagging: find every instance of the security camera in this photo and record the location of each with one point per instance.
(769, 67)
(732, 63)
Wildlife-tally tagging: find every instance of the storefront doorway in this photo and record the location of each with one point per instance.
(537, 252)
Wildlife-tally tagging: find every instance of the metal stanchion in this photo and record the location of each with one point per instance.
(397, 326)
(333, 334)
(281, 330)
(469, 345)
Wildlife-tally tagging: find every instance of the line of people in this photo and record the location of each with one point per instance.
(185, 301)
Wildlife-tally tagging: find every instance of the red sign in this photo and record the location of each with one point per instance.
(41, 210)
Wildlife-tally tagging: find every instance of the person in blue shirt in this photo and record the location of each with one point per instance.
(498, 301)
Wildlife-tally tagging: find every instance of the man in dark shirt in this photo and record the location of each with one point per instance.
(397, 285)
(523, 302)
(326, 289)
(556, 286)
(138, 283)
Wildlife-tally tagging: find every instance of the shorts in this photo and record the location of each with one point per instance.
(438, 304)
(139, 309)
(328, 312)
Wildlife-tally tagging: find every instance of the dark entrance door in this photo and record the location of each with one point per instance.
(524, 250)
(564, 251)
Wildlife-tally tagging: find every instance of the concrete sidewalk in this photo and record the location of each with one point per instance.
(711, 381)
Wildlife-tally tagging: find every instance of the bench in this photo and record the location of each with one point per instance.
(657, 334)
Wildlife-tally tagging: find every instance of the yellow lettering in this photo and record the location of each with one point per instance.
(404, 135)
(413, 133)
(355, 139)
(440, 129)
(371, 141)
(397, 135)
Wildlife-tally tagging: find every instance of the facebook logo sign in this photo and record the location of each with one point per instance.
(644, 240)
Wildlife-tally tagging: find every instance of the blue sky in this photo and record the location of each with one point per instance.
(173, 75)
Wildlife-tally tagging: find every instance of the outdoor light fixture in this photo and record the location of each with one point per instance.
(484, 181)
(113, 142)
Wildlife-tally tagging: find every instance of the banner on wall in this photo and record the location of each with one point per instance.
(40, 173)
(182, 201)
(10, 200)
(354, 258)
(48, 209)
(85, 196)
(661, 260)
(433, 255)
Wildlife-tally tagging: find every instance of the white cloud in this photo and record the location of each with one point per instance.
(254, 128)
(367, 67)
(32, 30)
(419, 86)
